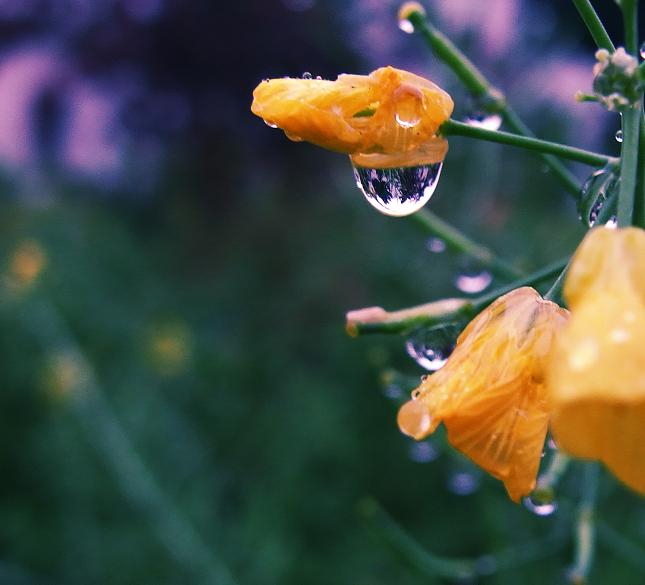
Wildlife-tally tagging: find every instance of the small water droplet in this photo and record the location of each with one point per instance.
(485, 120)
(642, 51)
(270, 124)
(398, 191)
(540, 507)
(307, 75)
(612, 223)
(463, 483)
(431, 347)
(618, 136)
(406, 26)
(436, 245)
(414, 419)
(600, 185)
(473, 282)
(423, 452)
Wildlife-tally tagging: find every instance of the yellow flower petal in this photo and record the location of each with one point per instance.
(597, 378)
(490, 395)
(381, 116)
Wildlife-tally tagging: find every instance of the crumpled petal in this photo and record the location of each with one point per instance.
(388, 113)
(491, 395)
(597, 375)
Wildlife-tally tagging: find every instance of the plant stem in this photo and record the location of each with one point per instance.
(628, 166)
(377, 320)
(639, 204)
(630, 18)
(454, 128)
(480, 87)
(585, 530)
(594, 25)
(459, 242)
(555, 292)
(548, 481)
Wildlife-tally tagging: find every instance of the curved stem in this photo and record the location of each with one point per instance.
(480, 87)
(628, 166)
(548, 481)
(378, 320)
(454, 128)
(459, 242)
(594, 25)
(584, 536)
(555, 292)
(630, 18)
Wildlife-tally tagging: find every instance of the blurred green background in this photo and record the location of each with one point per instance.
(179, 400)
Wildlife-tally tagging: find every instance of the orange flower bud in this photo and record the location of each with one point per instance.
(386, 119)
(597, 375)
(491, 394)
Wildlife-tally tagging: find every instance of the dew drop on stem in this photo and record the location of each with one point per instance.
(540, 507)
(618, 136)
(485, 120)
(431, 347)
(595, 192)
(398, 191)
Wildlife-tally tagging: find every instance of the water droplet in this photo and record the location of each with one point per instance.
(436, 245)
(595, 192)
(431, 347)
(473, 282)
(618, 136)
(398, 191)
(406, 26)
(270, 124)
(642, 51)
(463, 483)
(612, 223)
(409, 107)
(540, 507)
(551, 444)
(414, 419)
(485, 120)
(307, 75)
(423, 452)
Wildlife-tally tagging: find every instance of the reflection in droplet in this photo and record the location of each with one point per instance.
(612, 224)
(463, 483)
(398, 191)
(436, 245)
(485, 120)
(431, 347)
(642, 51)
(409, 107)
(618, 136)
(270, 124)
(538, 507)
(595, 192)
(307, 75)
(473, 282)
(423, 452)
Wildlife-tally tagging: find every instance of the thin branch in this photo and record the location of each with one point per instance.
(594, 25)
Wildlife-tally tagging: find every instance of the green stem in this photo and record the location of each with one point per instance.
(377, 320)
(454, 128)
(555, 292)
(103, 428)
(547, 482)
(584, 536)
(432, 566)
(459, 242)
(639, 204)
(564, 175)
(481, 88)
(630, 18)
(594, 25)
(628, 166)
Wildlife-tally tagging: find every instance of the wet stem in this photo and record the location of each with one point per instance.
(481, 88)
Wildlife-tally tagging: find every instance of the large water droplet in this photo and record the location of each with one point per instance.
(595, 192)
(473, 282)
(485, 120)
(540, 507)
(618, 136)
(463, 483)
(398, 191)
(307, 75)
(431, 347)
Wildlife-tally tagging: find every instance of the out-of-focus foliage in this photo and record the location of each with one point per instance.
(181, 305)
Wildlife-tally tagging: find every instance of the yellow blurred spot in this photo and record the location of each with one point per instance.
(26, 263)
(169, 348)
(64, 374)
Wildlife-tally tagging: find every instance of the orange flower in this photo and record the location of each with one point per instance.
(386, 119)
(491, 394)
(597, 376)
